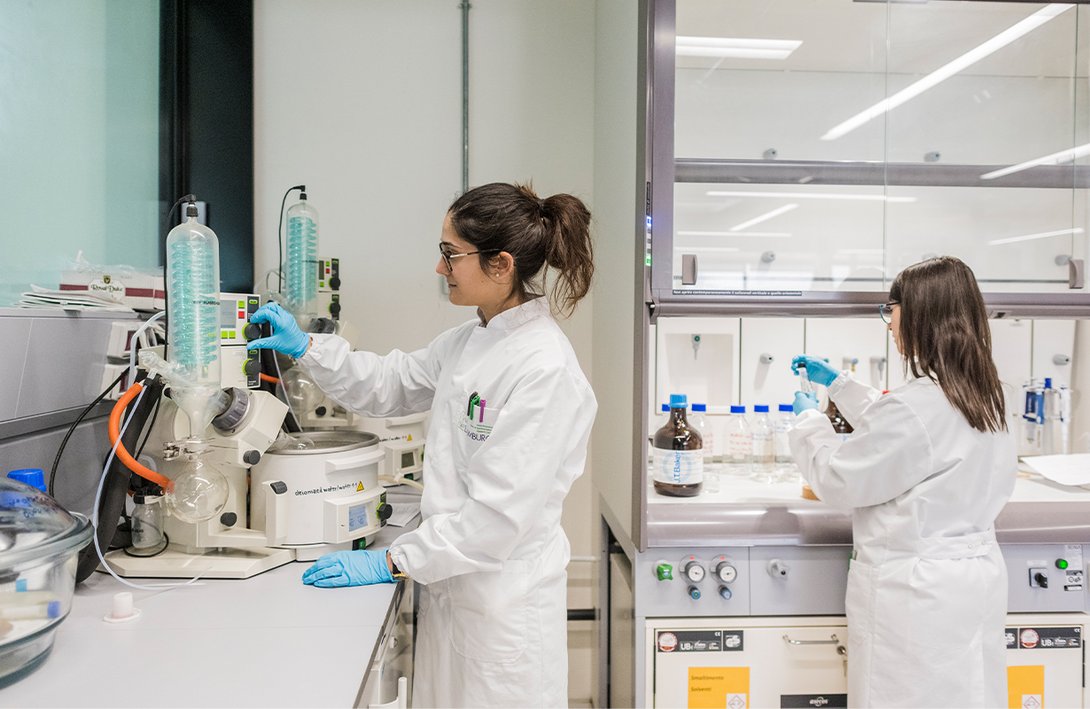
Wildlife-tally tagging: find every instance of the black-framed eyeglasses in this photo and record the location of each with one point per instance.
(885, 311)
(449, 256)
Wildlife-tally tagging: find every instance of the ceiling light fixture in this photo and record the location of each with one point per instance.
(765, 217)
(1031, 237)
(950, 69)
(1079, 151)
(812, 195)
(736, 48)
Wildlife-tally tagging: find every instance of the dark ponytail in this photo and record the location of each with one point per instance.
(539, 234)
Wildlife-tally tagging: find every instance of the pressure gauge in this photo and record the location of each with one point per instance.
(693, 571)
(726, 572)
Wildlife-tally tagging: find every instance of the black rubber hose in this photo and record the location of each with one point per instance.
(112, 503)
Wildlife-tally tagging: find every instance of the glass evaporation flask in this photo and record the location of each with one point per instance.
(193, 309)
(301, 263)
(677, 454)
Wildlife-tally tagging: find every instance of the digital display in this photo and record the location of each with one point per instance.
(357, 517)
(408, 459)
(228, 314)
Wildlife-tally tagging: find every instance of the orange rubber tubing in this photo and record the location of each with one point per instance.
(114, 428)
(266, 378)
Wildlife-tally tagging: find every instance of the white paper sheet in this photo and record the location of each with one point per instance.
(1071, 469)
(403, 513)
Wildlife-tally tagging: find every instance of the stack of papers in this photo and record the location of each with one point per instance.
(38, 297)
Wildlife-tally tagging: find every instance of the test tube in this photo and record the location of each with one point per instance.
(804, 379)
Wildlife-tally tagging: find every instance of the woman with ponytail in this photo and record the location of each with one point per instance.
(925, 473)
(511, 418)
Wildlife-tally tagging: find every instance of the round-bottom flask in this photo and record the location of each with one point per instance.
(199, 494)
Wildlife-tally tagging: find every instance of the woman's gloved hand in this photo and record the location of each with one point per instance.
(804, 401)
(818, 370)
(348, 568)
(286, 337)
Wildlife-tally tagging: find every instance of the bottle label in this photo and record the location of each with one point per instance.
(677, 467)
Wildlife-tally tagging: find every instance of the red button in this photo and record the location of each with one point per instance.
(242, 315)
(327, 270)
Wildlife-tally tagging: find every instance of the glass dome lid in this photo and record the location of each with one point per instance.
(34, 526)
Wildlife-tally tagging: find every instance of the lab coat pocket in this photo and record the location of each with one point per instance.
(491, 613)
(474, 418)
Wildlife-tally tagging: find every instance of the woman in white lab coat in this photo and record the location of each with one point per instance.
(511, 418)
(927, 470)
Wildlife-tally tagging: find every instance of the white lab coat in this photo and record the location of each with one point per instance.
(927, 587)
(490, 553)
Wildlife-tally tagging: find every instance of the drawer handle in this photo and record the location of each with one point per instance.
(831, 641)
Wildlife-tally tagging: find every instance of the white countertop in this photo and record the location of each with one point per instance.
(267, 641)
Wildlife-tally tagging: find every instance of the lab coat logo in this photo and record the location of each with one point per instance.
(473, 425)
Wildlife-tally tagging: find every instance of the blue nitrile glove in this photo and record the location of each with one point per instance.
(286, 337)
(817, 369)
(348, 568)
(804, 401)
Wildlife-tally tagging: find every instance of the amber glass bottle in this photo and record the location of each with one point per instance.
(677, 455)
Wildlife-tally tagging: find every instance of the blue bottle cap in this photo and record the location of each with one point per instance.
(737, 409)
(665, 408)
(760, 408)
(787, 407)
(1048, 382)
(679, 401)
(35, 477)
(700, 408)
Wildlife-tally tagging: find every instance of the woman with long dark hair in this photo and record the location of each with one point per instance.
(511, 413)
(925, 473)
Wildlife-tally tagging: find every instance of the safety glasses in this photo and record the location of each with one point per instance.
(449, 256)
(885, 311)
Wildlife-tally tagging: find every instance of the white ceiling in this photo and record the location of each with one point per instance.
(909, 37)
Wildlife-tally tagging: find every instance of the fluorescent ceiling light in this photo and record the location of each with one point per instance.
(736, 48)
(946, 71)
(763, 234)
(812, 195)
(1079, 151)
(1031, 237)
(765, 217)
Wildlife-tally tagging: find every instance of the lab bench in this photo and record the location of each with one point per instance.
(266, 641)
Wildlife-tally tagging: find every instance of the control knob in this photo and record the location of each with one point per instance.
(693, 571)
(726, 572)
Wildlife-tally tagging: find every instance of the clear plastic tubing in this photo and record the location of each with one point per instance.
(193, 271)
(301, 264)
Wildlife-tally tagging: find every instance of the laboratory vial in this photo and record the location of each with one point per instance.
(781, 426)
(677, 454)
(739, 441)
(804, 379)
(147, 521)
(763, 460)
(301, 263)
(193, 309)
(703, 426)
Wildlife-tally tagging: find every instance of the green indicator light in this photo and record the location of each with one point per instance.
(1061, 563)
(241, 304)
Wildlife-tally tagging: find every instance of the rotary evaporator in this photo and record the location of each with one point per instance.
(311, 294)
(202, 505)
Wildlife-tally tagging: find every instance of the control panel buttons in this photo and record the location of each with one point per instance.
(725, 572)
(1061, 564)
(1038, 578)
(664, 571)
(693, 570)
(725, 593)
(694, 593)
